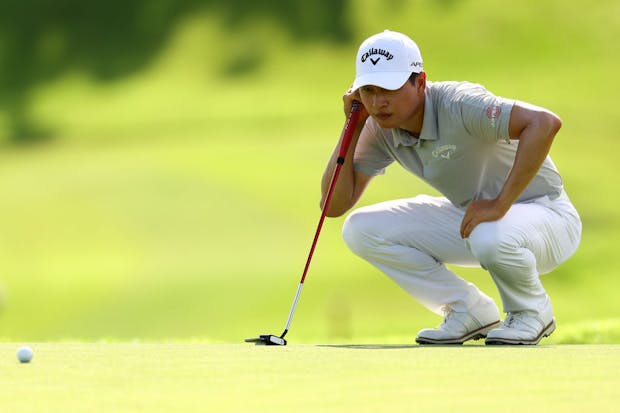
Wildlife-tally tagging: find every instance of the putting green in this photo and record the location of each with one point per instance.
(309, 378)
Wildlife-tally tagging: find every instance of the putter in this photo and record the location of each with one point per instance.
(347, 134)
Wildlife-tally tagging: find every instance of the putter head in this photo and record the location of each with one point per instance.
(267, 340)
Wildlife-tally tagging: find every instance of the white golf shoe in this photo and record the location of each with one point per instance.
(522, 327)
(458, 327)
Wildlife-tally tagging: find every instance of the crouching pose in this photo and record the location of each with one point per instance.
(503, 207)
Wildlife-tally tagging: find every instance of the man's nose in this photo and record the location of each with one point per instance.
(379, 100)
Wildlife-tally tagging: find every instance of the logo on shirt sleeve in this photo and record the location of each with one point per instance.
(493, 113)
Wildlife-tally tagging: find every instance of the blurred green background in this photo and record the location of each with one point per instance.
(160, 161)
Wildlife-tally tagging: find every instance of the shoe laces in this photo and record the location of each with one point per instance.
(447, 311)
(512, 318)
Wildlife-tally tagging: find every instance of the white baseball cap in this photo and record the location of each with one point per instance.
(386, 60)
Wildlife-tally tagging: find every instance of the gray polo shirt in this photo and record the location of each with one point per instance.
(464, 149)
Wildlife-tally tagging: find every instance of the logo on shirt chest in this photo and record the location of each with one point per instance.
(444, 151)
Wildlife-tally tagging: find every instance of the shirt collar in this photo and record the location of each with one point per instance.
(429, 126)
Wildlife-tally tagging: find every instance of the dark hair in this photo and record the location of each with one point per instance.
(413, 77)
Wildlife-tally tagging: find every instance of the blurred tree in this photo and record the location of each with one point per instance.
(42, 39)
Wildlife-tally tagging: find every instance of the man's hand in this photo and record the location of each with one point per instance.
(347, 100)
(535, 129)
(482, 210)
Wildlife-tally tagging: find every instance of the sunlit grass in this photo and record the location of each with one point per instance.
(194, 377)
(182, 201)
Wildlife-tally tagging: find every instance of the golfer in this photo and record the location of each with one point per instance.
(503, 205)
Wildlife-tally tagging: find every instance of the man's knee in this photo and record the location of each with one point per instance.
(489, 245)
(356, 231)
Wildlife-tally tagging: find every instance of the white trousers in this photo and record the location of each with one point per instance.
(410, 240)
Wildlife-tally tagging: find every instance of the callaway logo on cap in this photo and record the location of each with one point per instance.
(386, 60)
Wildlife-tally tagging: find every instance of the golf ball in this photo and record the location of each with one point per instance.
(24, 354)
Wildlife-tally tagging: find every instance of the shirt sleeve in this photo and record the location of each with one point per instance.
(485, 115)
(371, 157)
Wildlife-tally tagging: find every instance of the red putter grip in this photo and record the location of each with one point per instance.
(349, 127)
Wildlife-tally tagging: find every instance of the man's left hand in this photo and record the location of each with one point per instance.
(482, 210)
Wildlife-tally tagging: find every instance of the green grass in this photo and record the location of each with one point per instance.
(180, 203)
(174, 239)
(303, 378)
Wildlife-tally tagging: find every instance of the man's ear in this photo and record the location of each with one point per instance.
(421, 80)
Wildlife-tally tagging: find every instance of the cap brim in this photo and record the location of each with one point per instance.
(385, 80)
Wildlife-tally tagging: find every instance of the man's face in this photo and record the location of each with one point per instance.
(394, 108)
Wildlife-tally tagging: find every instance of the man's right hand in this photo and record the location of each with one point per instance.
(348, 99)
